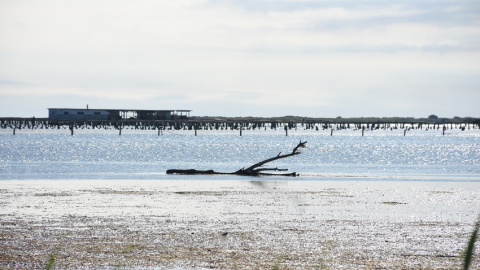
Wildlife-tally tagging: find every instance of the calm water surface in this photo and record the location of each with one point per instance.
(381, 155)
(384, 200)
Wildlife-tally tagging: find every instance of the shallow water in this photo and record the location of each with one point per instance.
(380, 155)
(94, 200)
(236, 224)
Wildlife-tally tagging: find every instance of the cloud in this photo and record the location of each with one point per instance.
(84, 26)
(259, 54)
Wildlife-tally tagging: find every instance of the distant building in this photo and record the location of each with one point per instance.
(116, 114)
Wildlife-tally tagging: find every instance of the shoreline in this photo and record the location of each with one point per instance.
(206, 224)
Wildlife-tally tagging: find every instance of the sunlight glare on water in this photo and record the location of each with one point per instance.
(382, 200)
(103, 154)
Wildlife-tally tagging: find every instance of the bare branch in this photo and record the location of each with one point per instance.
(294, 152)
(253, 170)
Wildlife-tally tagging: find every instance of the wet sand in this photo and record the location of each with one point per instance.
(236, 224)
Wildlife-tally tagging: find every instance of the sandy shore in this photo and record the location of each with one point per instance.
(236, 224)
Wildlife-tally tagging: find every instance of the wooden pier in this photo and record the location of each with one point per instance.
(240, 124)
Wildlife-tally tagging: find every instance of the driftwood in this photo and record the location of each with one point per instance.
(254, 170)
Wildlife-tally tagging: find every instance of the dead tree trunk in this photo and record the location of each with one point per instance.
(254, 170)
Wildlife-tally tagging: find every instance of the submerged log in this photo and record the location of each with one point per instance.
(254, 170)
(190, 171)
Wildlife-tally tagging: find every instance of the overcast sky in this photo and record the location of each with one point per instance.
(242, 57)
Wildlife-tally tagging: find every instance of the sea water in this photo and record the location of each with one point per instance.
(380, 155)
(98, 199)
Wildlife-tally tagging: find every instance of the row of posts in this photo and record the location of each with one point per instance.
(160, 132)
(32, 123)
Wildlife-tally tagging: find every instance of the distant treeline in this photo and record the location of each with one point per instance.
(298, 119)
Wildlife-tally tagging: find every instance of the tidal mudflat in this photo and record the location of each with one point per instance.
(227, 224)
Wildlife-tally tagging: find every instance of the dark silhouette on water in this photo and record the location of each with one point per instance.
(254, 170)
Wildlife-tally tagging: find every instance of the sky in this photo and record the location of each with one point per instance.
(260, 58)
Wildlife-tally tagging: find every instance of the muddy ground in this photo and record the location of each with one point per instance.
(236, 224)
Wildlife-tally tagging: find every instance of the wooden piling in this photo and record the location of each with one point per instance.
(44, 123)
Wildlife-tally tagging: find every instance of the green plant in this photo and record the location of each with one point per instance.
(51, 262)
(276, 266)
(471, 246)
(130, 248)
